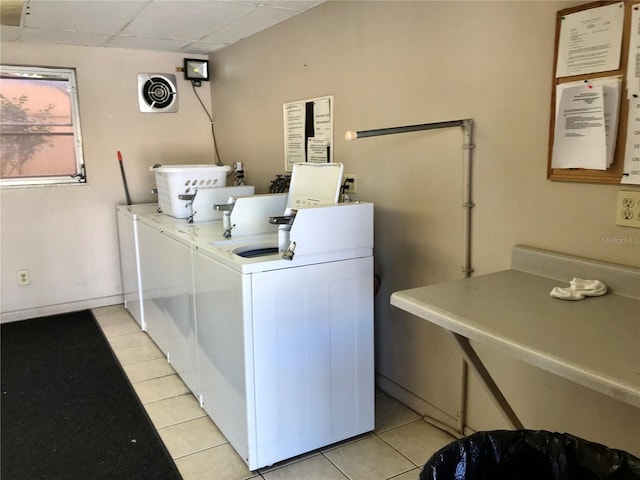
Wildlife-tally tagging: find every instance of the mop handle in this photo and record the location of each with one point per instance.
(124, 178)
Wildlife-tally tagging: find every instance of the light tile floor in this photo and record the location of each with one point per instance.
(401, 443)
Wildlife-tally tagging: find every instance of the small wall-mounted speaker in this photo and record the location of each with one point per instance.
(157, 93)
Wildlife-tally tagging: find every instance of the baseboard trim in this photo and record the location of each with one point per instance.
(15, 315)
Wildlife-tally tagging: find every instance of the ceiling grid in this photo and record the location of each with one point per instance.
(183, 26)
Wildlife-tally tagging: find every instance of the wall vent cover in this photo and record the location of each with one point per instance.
(157, 93)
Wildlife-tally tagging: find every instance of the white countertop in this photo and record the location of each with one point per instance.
(594, 342)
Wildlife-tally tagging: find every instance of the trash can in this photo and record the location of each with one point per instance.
(529, 455)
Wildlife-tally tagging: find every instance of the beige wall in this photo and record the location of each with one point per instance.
(66, 236)
(386, 64)
(402, 63)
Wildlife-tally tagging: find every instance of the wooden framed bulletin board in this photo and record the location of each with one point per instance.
(584, 61)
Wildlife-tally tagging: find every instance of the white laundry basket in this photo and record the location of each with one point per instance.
(175, 180)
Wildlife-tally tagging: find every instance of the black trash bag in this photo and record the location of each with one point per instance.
(529, 455)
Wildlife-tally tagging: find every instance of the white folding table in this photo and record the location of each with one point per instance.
(594, 342)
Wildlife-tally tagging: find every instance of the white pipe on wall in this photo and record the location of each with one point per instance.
(467, 204)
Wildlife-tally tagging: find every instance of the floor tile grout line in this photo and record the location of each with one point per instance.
(400, 474)
(120, 325)
(158, 358)
(170, 398)
(108, 318)
(152, 378)
(144, 405)
(116, 325)
(116, 350)
(137, 363)
(156, 378)
(259, 474)
(113, 325)
(346, 441)
(403, 423)
(198, 451)
(290, 461)
(137, 346)
(161, 355)
(130, 333)
(336, 466)
(398, 451)
(121, 335)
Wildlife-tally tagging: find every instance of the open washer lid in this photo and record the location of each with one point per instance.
(314, 184)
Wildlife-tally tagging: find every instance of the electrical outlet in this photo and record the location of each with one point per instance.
(351, 183)
(628, 209)
(23, 277)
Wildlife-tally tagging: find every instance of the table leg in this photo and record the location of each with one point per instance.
(496, 395)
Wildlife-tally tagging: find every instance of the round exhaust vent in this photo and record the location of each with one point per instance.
(157, 93)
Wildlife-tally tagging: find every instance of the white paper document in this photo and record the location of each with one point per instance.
(631, 168)
(308, 131)
(322, 124)
(590, 41)
(633, 65)
(612, 93)
(294, 146)
(318, 146)
(580, 136)
(317, 150)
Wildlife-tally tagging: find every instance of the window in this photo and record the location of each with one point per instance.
(40, 141)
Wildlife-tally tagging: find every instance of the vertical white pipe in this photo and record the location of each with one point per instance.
(467, 190)
(462, 399)
(467, 204)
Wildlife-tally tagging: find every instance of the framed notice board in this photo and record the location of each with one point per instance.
(593, 94)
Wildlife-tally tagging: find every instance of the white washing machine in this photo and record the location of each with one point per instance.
(127, 219)
(276, 345)
(285, 347)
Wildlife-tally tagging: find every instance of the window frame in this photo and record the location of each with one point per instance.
(68, 74)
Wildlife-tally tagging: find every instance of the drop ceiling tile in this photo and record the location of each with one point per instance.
(246, 2)
(196, 18)
(297, 5)
(202, 48)
(100, 16)
(141, 43)
(187, 26)
(43, 35)
(253, 22)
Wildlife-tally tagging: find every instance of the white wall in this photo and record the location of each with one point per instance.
(402, 63)
(66, 236)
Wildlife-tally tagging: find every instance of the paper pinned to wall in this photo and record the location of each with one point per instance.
(294, 123)
(590, 41)
(612, 93)
(308, 131)
(322, 124)
(580, 135)
(317, 150)
(631, 169)
(633, 65)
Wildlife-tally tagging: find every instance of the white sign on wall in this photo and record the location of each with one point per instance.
(308, 131)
